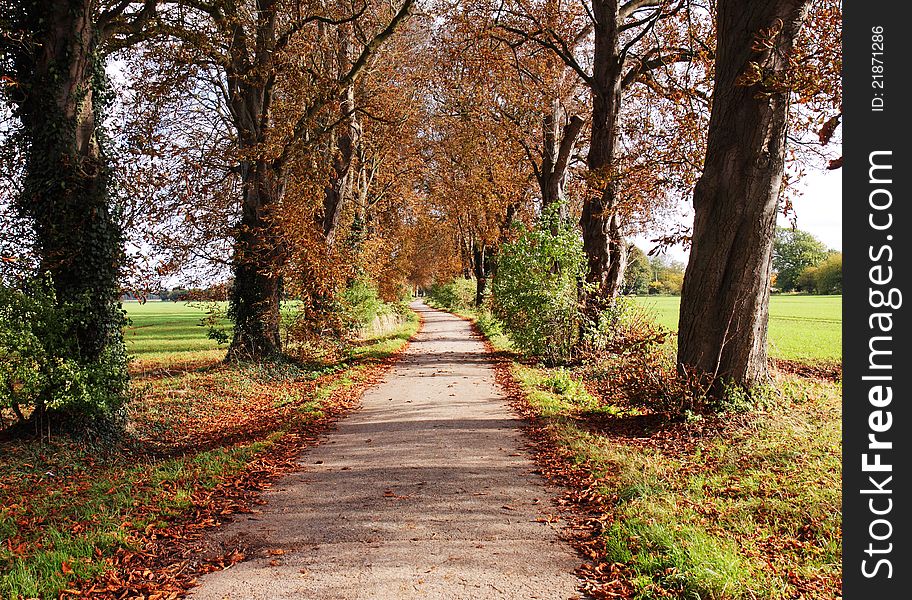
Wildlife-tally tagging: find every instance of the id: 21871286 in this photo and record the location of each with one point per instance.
(877, 68)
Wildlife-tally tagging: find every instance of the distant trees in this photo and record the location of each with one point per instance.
(652, 274)
(794, 251)
(667, 275)
(824, 277)
(638, 274)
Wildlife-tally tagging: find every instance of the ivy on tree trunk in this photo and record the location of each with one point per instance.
(59, 96)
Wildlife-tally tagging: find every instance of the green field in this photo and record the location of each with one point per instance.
(805, 328)
(168, 332)
(801, 328)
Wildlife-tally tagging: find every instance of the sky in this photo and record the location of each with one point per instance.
(818, 210)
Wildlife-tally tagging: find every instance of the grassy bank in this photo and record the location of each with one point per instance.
(70, 513)
(739, 506)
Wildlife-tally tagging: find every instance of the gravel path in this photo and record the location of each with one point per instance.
(425, 492)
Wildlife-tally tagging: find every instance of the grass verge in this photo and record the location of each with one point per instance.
(738, 506)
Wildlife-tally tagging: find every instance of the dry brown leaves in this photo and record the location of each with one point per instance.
(171, 557)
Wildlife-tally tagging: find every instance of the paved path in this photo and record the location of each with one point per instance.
(423, 493)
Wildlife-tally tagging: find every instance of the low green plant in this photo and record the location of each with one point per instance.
(362, 304)
(456, 295)
(41, 369)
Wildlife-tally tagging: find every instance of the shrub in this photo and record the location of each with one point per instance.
(456, 295)
(40, 365)
(823, 278)
(362, 304)
(323, 327)
(623, 327)
(536, 290)
(828, 279)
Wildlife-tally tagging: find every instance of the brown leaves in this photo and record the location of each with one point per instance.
(829, 128)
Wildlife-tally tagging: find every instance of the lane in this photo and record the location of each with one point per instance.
(423, 493)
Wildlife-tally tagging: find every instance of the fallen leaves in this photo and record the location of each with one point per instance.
(164, 523)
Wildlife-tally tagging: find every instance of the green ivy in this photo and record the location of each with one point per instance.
(41, 369)
(78, 360)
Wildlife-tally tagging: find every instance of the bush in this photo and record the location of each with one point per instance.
(823, 278)
(362, 304)
(623, 327)
(536, 290)
(40, 365)
(323, 327)
(456, 295)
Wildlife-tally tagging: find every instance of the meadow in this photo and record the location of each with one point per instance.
(169, 332)
(801, 328)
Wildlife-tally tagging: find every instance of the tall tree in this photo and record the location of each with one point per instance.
(724, 305)
(258, 47)
(52, 63)
(626, 49)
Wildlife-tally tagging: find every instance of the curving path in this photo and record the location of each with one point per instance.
(425, 492)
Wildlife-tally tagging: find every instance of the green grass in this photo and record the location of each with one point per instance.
(803, 328)
(102, 505)
(724, 518)
(752, 510)
(169, 333)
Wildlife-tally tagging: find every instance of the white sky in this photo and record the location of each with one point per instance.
(818, 210)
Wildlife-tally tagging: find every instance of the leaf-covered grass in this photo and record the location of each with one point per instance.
(65, 509)
(748, 509)
(802, 328)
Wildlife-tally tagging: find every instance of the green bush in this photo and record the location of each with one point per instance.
(536, 290)
(362, 304)
(458, 294)
(825, 277)
(40, 368)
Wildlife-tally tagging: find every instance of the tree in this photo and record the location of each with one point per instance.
(638, 273)
(477, 151)
(629, 46)
(254, 48)
(52, 61)
(794, 251)
(667, 276)
(824, 277)
(724, 305)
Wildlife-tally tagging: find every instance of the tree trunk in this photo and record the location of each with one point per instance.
(258, 257)
(257, 261)
(65, 190)
(724, 304)
(480, 267)
(342, 146)
(600, 223)
(558, 143)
